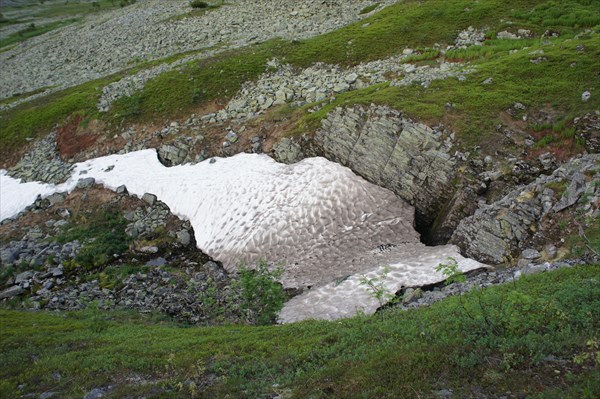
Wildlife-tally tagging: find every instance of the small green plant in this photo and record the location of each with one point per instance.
(559, 187)
(98, 323)
(451, 271)
(544, 141)
(376, 286)
(262, 296)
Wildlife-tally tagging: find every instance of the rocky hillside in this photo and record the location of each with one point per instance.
(481, 118)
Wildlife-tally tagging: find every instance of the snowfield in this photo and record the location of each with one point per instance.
(323, 224)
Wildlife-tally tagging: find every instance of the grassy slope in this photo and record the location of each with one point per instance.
(552, 83)
(33, 31)
(413, 24)
(494, 340)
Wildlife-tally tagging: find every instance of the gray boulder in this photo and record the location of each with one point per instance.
(150, 199)
(11, 292)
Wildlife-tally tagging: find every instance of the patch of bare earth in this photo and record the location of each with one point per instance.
(76, 136)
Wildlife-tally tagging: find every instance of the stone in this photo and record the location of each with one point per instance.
(150, 199)
(156, 262)
(496, 232)
(86, 183)
(48, 395)
(444, 393)
(184, 237)
(506, 35)
(56, 272)
(231, 137)
(550, 251)
(173, 154)
(530, 254)
(11, 292)
(572, 193)
(586, 96)
(9, 255)
(411, 295)
(56, 198)
(23, 277)
(287, 151)
(534, 269)
(148, 250)
(96, 393)
(121, 189)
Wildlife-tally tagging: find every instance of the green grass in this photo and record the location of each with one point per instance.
(388, 33)
(32, 31)
(176, 92)
(477, 107)
(368, 9)
(102, 234)
(17, 97)
(581, 13)
(42, 114)
(66, 8)
(494, 341)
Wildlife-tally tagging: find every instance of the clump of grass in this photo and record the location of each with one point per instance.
(423, 55)
(112, 276)
(368, 9)
(545, 141)
(199, 4)
(558, 187)
(572, 13)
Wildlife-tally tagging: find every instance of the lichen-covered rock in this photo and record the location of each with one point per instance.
(11, 292)
(496, 233)
(287, 151)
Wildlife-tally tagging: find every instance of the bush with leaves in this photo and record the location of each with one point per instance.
(261, 295)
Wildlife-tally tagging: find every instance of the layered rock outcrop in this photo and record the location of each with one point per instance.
(498, 232)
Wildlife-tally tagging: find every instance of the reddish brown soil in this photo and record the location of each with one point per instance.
(72, 138)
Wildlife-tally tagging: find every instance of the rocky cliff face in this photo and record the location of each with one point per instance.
(382, 145)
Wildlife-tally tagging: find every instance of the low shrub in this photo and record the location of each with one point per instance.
(199, 4)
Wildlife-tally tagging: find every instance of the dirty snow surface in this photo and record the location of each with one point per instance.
(323, 224)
